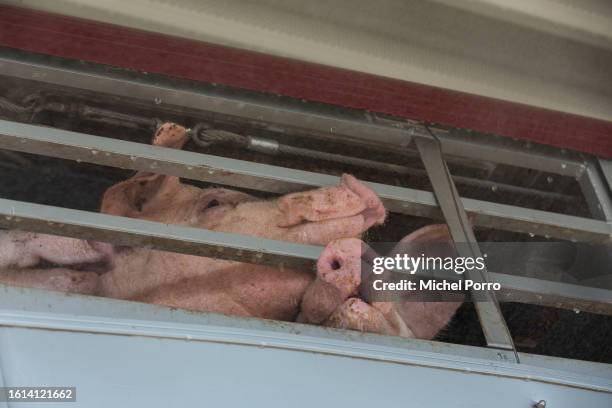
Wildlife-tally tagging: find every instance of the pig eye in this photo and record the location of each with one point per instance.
(335, 265)
(212, 203)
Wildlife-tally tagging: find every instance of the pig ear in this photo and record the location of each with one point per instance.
(375, 212)
(129, 198)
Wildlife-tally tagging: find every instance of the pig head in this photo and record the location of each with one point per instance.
(333, 299)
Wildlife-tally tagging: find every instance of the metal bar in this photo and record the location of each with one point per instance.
(455, 145)
(140, 233)
(195, 241)
(553, 294)
(288, 113)
(596, 192)
(606, 168)
(543, 292)
(491, 319)
(237, 173)
(206, 137)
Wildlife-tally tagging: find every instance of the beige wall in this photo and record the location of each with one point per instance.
(554, 54)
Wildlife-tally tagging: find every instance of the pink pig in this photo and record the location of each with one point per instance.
(331, 216)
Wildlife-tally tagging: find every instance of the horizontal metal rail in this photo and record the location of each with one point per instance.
(141, 233)
(286, 114)
(237, 173)
(561, 295)
(255, 250)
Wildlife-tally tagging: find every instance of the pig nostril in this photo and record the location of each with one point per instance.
(335, 265)
(212, 203)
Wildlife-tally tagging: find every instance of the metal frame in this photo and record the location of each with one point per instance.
(596, 192)
(141, 233)
(30, 308)
(606, 168)
(491, 319)
(290, 114)
(243, 248)
(279, 112)
(238, 173)
(87, 334)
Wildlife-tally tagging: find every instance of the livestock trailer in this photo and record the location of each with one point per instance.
(493, 117)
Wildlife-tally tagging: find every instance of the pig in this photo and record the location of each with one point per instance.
(51, 262)
(333, 298)
(334, 217)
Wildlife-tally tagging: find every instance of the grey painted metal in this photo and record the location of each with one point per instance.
(141, 233)
(542, 223)
(369, 127)
(195, 241)
(3, 404)
(262, 177)
(489, 313)
(456, 145)
(32, 306)
(606, 168)
(596, 192)
(207, 137)
(171, 357)
(561, 295)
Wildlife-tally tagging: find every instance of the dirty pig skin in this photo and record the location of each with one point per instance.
(334, 217)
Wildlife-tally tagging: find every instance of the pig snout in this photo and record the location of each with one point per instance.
(331, 300)
(338, 278)
(340, 265)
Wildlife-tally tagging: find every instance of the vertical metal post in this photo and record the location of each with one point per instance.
(596, 190)
(491, 319)
(606, 168)
(595, 185)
